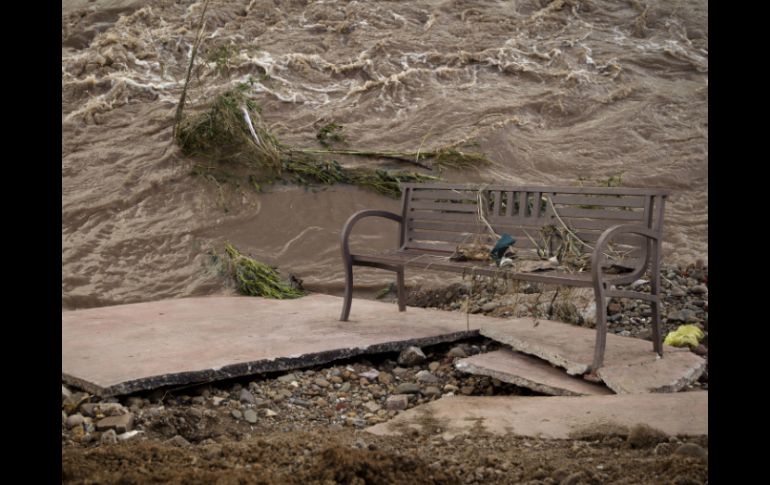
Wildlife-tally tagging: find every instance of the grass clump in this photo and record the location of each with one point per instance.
(329, 134)
(223, 133)
(257, 279)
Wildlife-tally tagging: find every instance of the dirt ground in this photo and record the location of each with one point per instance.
(324, 455)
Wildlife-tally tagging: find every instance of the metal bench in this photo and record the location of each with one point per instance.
(613, 227)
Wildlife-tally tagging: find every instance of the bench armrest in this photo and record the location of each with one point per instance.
(348, 227)
(606, 237)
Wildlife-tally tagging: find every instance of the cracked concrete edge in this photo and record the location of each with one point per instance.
(572, 368)
(464, 366)
(257, 367)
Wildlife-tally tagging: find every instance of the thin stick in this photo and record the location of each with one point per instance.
(193, 54)
(400, 156)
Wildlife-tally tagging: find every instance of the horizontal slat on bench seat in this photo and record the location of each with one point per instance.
(443, 206)
(456, 237)
(424, 215)
(600, 214)
(442, 247)
(625, 201)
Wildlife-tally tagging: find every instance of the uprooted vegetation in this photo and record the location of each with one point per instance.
(258, 279)
(230, 132)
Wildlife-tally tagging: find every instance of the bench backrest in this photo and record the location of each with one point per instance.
(438, 217)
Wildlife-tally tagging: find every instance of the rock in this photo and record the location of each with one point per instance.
(134, 401)
(236, 414)
(74, 420)
(372, 406)
(111, 409)
(411, 356)
(491, 306)
(451, 388)
(573, 479)
(65, 393)
(613, 308)
(120, 424)
(217, 400)
(128, 435)
(321, 382)
(246, 396)
(109, 437)
(662, 449)
(407, 388)
(287, 378)
(177, 441)
(701, 350)
(63, 417)
(400, 372)
(270, 413)
(345, 387)
(212, 451)
(678, 292)
(638, 284)
(691, 449)
(250, 416)
(433, 366)
(431, 391)
(427, 377)
(370, 374)
(466, 390)
(699, 290)
(385, 378)
(397, 402)
(457, 352)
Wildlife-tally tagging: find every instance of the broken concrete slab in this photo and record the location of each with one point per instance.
(670, 374)
(626, 359)
(555, 417)
(530, 372)
(126, 348)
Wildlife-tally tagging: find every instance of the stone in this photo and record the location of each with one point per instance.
(177, 441)
(65, 393)
(372, 406)
(111, 409)
(701, 350)
(400, 372)
(426, 377)
(345, 387)
(321, 382)
(109, 437)
(407, 388)
(236, 414)
(491, 306)
(457, 352)
(74, 420)
(411, 356)
(270, 413)
(120, 424)
(691, 449)
(370, 374)
(433, 366)
(397, 402)
(129, 435)
(451, 388)
(246, 397)
(287, 378)
(250, 416)
(699, 289)
(431, 391)
(385, 378)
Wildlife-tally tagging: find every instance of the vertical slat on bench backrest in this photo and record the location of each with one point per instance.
(535, 205)
(523, 204)
(496, 204)
(406, 199)
(510, 204)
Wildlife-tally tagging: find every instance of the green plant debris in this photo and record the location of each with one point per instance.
(257, 279)
(221, 58)
(330, 134)
(390, 288)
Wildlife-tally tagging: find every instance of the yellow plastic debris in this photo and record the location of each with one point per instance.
(685, 335)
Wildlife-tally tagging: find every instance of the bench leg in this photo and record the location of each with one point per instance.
(348, 298)
(601, 331)
(657, 341)
(657, 338)
(401, 290)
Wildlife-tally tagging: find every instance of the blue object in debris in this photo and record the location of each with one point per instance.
(502, 245)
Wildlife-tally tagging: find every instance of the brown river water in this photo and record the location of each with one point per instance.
(552, 92)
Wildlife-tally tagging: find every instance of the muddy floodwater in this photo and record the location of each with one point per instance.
(554, 93)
